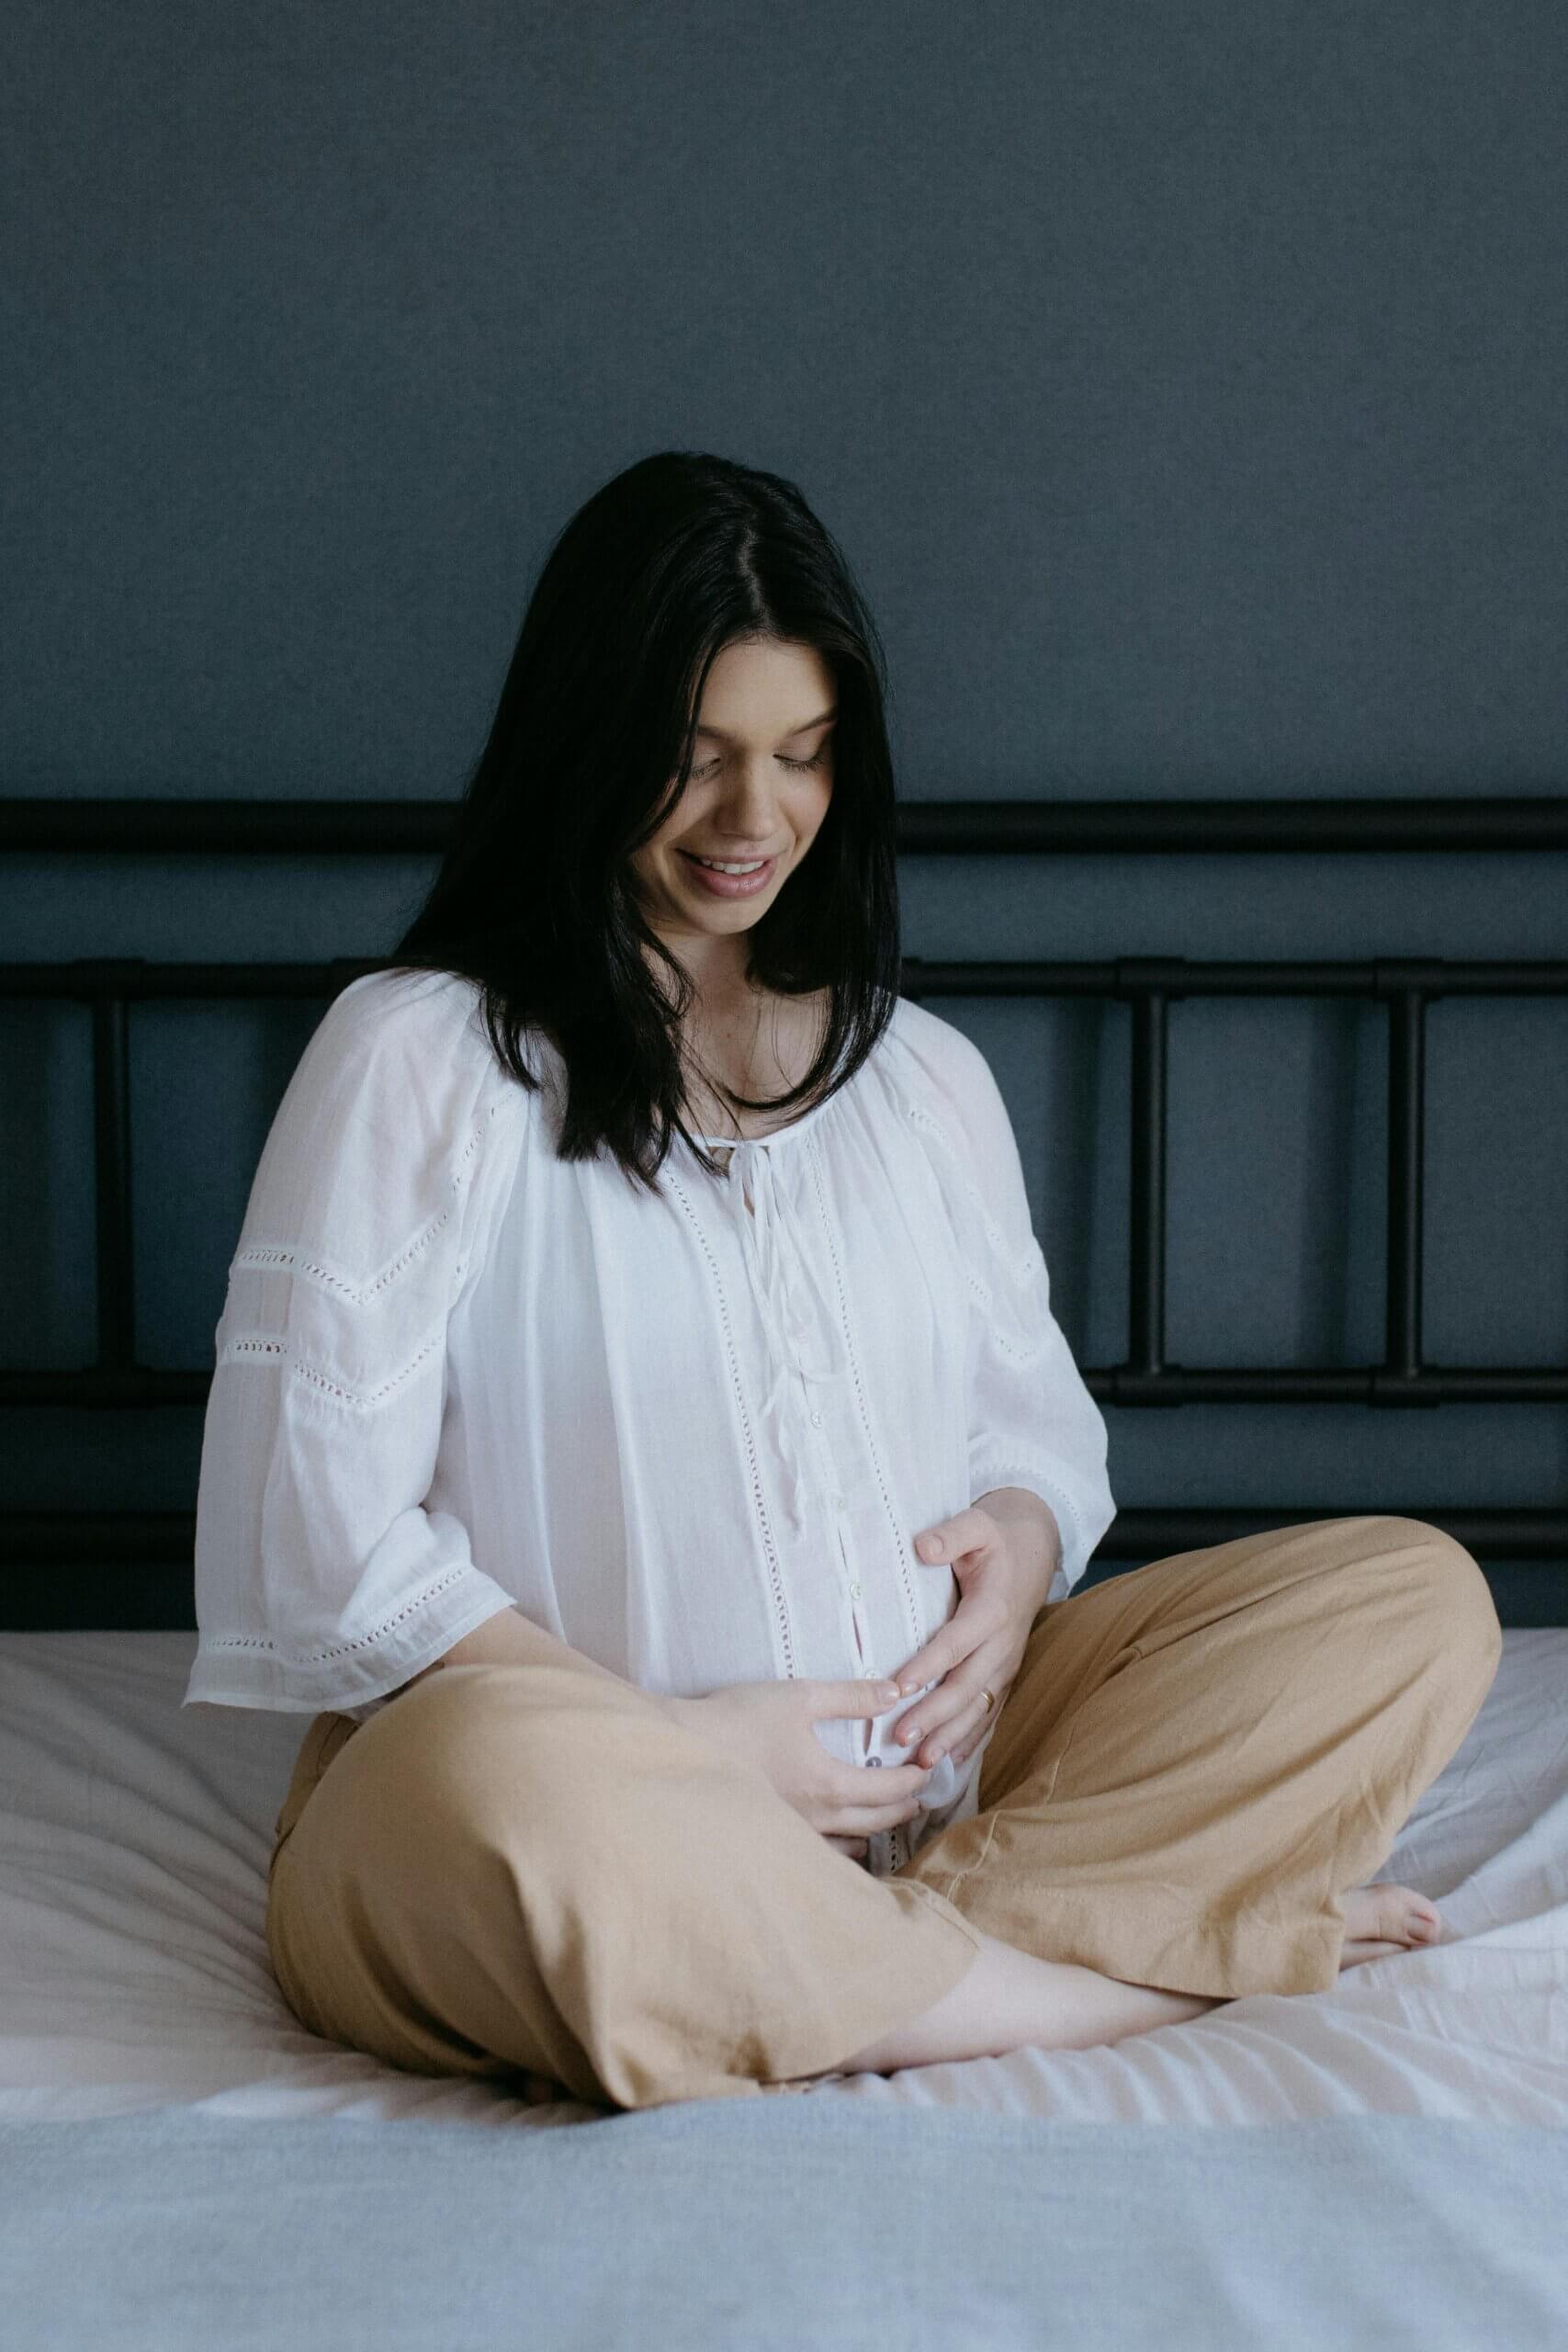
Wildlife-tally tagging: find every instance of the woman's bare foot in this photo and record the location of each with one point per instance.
(1008, 2000)
(1382, 1919)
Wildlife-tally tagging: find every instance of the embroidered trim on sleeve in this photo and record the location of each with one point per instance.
(272, 1347)
(252, 1346)
(984, 1296)
(1024, 1265)
(283, 1257)
(341, 1649)
(988, 1470)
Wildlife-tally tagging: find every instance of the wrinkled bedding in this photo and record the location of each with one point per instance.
(134, 1840)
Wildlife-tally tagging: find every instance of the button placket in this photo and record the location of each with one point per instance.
(770, 1245)
(781, 1284)
(852, 1593)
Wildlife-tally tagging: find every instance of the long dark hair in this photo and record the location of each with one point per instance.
(590, 749)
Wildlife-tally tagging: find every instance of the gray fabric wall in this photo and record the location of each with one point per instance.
(1186, 384)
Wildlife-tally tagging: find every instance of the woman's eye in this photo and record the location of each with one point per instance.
(814, 761)
(817, 760)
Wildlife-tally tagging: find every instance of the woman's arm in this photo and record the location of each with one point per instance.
(324, 1577)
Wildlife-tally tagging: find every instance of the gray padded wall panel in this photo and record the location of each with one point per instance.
(1185, 384)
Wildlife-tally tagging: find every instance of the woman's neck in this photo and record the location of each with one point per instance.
(760, 1044)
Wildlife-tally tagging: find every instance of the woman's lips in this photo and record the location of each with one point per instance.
(730, 886)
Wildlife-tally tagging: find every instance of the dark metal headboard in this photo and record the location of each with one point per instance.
(134, 1566)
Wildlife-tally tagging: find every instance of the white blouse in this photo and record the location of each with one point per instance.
(693, 1432)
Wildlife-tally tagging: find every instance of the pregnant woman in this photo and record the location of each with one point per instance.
(641, 1443)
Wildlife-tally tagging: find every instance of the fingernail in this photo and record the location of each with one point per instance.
(937, 1755)
(888, 1691)
(911, 1736)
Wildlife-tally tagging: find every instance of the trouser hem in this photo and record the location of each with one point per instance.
(1141, 1934)
(936, 1946)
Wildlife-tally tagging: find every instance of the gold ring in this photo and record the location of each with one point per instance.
(990, 1703)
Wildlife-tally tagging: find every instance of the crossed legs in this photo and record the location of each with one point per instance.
(532, 1869)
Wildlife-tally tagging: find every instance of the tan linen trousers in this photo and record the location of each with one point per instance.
(531, 1868)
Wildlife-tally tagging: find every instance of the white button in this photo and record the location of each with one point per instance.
(854, 1592)
(816, 1420)
(838, 1502)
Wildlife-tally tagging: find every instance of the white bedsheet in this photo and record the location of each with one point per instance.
(134, 1840)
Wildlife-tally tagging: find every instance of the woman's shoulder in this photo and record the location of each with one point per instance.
(960, 1115)
(406, 1010)
(396, 1106)
(422, 1028)
(936, 1059)
(399, 1067)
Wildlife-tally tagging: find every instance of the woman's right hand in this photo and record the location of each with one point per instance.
(771, 1725)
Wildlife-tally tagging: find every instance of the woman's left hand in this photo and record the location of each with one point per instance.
(1004, 1569)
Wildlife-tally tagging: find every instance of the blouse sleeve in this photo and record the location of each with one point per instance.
(322, 1580)
(1032, 1421)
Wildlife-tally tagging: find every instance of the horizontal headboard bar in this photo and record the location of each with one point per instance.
(1132, 979)
(954, 828)
(73, 1538)
(136, 1387)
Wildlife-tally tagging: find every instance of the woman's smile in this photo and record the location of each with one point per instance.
(726, 883)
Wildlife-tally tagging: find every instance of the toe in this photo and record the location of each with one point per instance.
(1356, 1951)
(1402, 1915)
(1385, 1919)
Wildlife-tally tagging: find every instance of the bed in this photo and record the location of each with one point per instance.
(1385, 2162)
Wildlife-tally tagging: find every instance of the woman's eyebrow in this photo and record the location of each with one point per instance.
(822, 716)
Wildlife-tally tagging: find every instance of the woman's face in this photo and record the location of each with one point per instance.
(761, 778)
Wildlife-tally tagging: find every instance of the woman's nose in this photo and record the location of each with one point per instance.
(750, 798)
